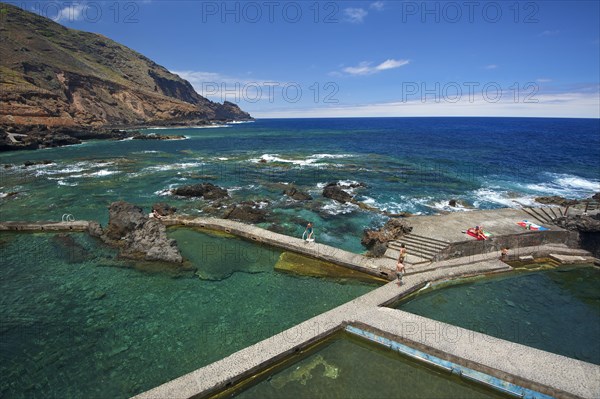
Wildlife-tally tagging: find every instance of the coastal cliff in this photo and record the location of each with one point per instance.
(53, 76)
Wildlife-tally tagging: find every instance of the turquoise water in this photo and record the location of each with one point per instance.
(349, 368)
(408, 165)
(77, 323)
(554, 310)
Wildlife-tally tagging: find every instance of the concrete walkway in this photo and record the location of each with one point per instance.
(80, 225)
(449, 228)
(439, 237)
(531, 368)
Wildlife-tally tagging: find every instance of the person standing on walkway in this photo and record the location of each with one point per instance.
(400, 270)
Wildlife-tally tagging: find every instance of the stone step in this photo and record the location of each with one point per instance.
(410, 241)
(571, 258)
(421, 252)
(428, 239)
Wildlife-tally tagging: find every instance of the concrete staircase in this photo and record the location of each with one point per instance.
(419, 249)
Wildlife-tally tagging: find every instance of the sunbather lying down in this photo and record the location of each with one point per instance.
(478, 233)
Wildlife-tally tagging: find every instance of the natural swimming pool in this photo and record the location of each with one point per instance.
(555, 310)
(348, 367)
(76, 322)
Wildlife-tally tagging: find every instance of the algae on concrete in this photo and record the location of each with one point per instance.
(298, 264)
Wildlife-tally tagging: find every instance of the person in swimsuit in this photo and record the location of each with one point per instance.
(479, 233)
(400, 270)
(309, 231)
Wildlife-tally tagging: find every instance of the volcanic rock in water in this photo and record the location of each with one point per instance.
(336, 192)
(207, 191)
(393, 229)
(139, 236)
(69, 249)
(164, 209)
(294, 193)
(556, 200)
(247, 212)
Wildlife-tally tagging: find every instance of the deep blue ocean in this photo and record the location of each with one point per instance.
(411, 165)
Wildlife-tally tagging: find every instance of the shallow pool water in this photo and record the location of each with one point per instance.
(347, 367)
(554, 310)
(77, 322)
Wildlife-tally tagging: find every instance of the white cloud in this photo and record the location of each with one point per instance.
(72, 12)
(366, 68)
(562, 105)
(491, 66)
(219, 87)
(378, 5)
(355, 15)
(543, 80)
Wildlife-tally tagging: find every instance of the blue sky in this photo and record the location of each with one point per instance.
(366, 58)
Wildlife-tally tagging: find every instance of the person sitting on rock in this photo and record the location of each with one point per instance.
(155, 214)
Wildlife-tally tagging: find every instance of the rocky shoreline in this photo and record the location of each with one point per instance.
(22, 137)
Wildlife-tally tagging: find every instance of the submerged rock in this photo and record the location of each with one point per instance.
(337, 193)
(246, 212)
(33, 163)
(141, 136)
(139, 236)
(556, 200)
(302, 373)
(207, 191)
(69, 249)
(294, 193)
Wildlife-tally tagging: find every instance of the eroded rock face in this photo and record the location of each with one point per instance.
(297, 195)
(207, 191)
(393, 229)
(60, 77)
(139, 236)
(587, 228)
(581, 223)
(246, 212)
(164, 209)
